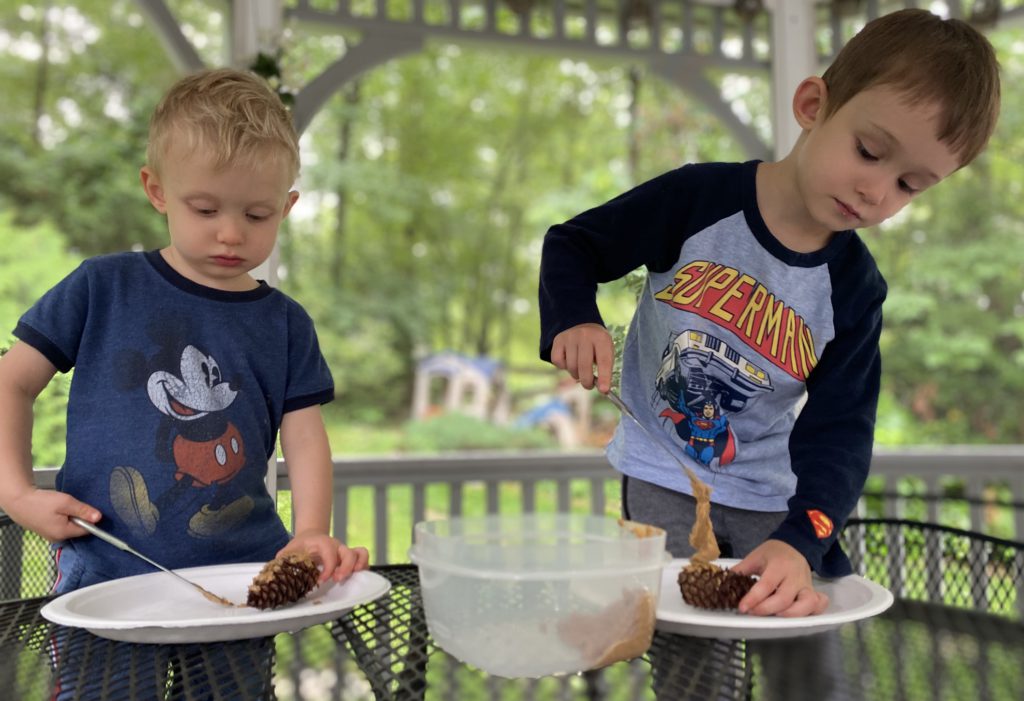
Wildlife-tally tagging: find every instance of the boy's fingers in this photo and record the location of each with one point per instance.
(752, 600)
(803, 604)
(351, 560)
(780, 600)
(758, 593)
(69, 507)
(808, 603)
(752, 564)
(570, 359)
(605, 361)
(558, 353)
(84, 511)
(585, 365)
(822, 603)
(330, 561)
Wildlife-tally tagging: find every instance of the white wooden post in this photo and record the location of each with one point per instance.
(256, 26)
(793, 59)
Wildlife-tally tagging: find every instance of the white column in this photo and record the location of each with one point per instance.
(793, 59)
(256, 26)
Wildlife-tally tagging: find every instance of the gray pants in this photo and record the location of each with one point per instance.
(738, 531)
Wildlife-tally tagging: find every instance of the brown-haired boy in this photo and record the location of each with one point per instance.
(759, 295)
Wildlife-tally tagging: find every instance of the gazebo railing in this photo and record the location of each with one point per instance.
(924, 562)
(952, 485)
(378, 499)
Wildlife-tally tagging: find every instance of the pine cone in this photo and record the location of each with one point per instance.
(283, 580)
(708, 586)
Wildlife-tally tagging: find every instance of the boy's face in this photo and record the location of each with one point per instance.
(868, 159)
(222, 223)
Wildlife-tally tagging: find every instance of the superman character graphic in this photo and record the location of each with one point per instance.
(703, 381)
(707, 435)
(195, 441)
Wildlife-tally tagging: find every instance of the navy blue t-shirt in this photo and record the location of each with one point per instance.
(175, 403)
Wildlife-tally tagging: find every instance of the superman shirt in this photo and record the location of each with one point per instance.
(757, 365)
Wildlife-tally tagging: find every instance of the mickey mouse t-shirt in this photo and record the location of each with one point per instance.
(175, 403)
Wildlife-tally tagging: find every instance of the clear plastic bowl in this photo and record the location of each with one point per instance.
(539, 594)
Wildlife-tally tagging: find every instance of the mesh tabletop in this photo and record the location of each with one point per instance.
(954, 633)
(39, 660)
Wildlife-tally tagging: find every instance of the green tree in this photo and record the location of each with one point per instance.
(31, 261)
(450, 167)
(80, 81)
(429, 184)
(954, 322)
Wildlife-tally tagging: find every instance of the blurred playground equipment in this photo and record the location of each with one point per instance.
(449, 382)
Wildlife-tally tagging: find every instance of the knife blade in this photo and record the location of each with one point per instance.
(626, 411)
(121, 545)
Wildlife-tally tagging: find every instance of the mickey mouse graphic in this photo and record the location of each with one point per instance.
(204, 446)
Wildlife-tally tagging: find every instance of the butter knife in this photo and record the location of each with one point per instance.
(121, 545)
(626, 411)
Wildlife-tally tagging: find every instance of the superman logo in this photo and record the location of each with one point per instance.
(822, 523)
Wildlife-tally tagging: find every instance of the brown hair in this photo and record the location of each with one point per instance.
(930, 59)
(231, 114)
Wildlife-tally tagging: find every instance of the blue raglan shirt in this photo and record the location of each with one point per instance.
(175, 403)
(757, 365)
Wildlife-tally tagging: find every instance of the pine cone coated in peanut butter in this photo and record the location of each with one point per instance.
(283, 580)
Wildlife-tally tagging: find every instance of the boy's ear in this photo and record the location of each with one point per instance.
(809, 101)
(154, 190)
(293, 196)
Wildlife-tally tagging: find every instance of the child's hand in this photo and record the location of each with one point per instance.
(338, 560)
(578, 349)
(785, 587)
(48, 513)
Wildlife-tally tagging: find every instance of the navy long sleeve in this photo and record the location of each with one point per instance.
(758, 365)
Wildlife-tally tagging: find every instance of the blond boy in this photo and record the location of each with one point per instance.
(186, 367)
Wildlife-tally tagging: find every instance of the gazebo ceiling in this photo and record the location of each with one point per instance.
(679, 39)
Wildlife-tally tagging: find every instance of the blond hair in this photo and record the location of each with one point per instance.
(928, 59)
(230, 114)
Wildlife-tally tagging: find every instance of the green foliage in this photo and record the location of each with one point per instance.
(73, 128)
(455, 432)
(953, 347)
(352, 436)
(32, 260)
(953, 344)
(49, 427)
(426, 236)
(359, 338)
(429, 182)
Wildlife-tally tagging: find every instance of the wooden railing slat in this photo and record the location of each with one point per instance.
(986, 465)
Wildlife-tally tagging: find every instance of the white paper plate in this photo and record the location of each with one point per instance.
(158, 608)
(850, 599)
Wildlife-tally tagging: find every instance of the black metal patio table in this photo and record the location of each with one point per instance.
(955, 632)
